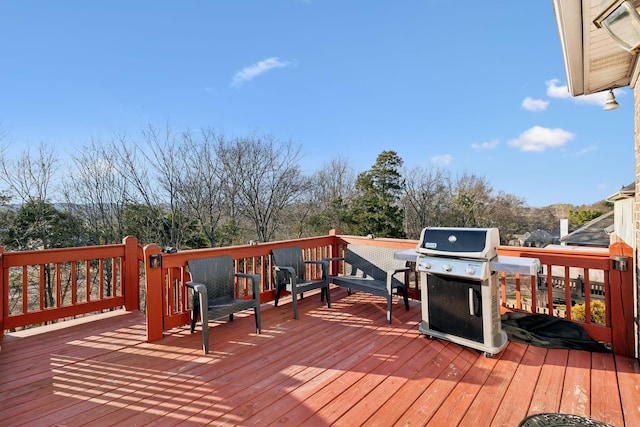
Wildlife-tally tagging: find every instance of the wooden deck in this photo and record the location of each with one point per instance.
(339, 366)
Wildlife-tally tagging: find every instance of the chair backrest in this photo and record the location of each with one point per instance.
(289, 257)
(372, 261)
(216, 273)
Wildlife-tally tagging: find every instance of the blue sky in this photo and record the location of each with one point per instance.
(481, 89)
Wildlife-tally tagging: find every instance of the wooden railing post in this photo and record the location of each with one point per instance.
(4, 293)
(131, 274)
(335, 252)
(153, 287)
(621, 285)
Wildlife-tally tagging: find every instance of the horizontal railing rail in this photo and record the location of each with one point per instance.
(48, 285)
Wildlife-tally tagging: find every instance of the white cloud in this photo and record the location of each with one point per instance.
(442, 160)
(539, 139)
(252, 71)
(561, 92)
(490, 145)
(531, 104)
(555, 91)
(598, 99)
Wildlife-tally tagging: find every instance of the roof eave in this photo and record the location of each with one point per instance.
(593, 61)
(569, 21)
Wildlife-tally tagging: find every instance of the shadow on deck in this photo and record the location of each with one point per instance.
(337, 366)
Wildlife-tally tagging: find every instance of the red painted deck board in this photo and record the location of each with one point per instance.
(576, 393)
(339, 366)
(548, 391)
(603, 386)
(487, 401)
(628, 382)
(514, 406)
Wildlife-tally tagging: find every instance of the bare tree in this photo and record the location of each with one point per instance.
(265, 177)
(97, 192)
(164, 150)
(200, 189)
(426, 200)
(5, 196)
(471, 201)
(37, 223)
(29, 177)
(507, 214)
(325, 200)
(143, 215)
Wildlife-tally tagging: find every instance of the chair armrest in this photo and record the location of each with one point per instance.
(197, 287)
(398, 270)
(325, 266)
(255, 281)
(333, 259)
(391, 273)
(285, 269)
(289, 272)
(201, 290)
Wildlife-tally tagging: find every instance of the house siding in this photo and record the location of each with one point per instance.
(636, 134)
(624, 221)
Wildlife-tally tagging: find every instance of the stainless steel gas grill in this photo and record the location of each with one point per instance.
(460, 300)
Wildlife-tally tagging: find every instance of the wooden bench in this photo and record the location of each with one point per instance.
(374, 270)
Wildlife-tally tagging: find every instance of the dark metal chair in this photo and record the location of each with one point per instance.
(213, 284)
(289, 274)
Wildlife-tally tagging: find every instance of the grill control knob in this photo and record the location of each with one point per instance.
(447, 268)
(427, 266)
(470, 271)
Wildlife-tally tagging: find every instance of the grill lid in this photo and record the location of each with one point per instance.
(459, 242)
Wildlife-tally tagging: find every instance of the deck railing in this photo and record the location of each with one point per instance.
(47, 285)
(166, 274)
(602, 277)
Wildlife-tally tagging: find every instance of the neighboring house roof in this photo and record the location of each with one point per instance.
(593, 61)
(627, 192)
(593, 233)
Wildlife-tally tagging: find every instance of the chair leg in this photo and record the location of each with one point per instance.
(195, 311)
(231, 317)
(205, 323)
(277, 296)
(328, 296)
(389, 305)
(294, 297)
(405, 295)
(256, 314)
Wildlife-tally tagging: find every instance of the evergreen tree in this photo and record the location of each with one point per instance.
(581, 217)
(375, 208)
(39, 225)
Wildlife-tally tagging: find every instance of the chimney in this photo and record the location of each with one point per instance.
(564, 229)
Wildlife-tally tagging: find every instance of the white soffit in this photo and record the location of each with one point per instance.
(593, 61)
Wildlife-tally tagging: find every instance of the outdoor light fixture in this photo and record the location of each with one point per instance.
(155, 261)
(621, 19)
(611, 103)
